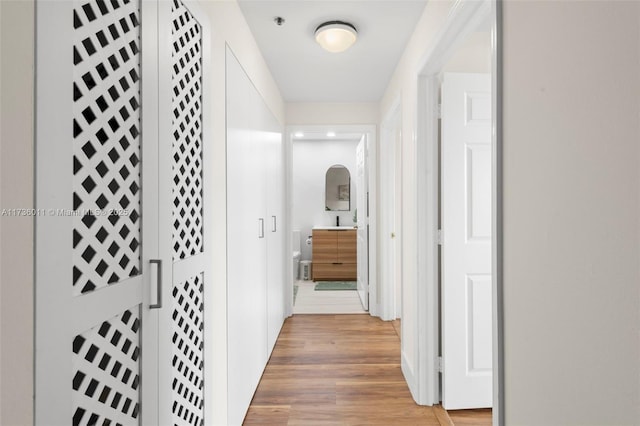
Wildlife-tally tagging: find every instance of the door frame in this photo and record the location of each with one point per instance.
(370, 130)
(364, 232)
(464, 18)
(388, 307)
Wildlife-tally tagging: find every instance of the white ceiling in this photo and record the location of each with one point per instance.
(316, 136)
(305, 72)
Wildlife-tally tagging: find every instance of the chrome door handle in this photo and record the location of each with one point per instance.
(261, 228)
(158, 303)
(274, 224)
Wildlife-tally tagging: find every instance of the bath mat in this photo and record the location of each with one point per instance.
(335, 285)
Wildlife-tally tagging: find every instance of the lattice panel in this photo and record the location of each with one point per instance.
(106, 146)
(187, 132)
(106, 372)
(188, 351)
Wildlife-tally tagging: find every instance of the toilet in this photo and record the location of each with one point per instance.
(296, 253)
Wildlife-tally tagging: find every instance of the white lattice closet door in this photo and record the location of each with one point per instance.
(185, 205)
(121, 194)
(91, 252)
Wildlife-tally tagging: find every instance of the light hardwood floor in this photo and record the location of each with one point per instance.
(340, 370)
(309, 301)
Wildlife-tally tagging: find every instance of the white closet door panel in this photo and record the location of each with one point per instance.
(246, 277)
(91, 270)
(247, 228)
(106, 211)
(275, 241)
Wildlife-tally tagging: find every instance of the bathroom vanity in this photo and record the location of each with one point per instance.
(334, 253)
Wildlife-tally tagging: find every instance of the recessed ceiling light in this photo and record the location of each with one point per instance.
(298, 134)
(336, 36)
(331, 134)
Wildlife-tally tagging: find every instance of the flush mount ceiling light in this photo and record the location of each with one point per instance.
(336, 36)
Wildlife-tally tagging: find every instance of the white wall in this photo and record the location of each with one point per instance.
(309, 113)
(311, 159)
(16, 191)
(230, 27)
(473, 55)
(571, 246)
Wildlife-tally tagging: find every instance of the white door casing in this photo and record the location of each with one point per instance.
(466, 233)
(397, 225)
(362, 223)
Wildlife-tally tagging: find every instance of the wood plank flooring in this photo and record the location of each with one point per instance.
(330, 370)
(470, 417)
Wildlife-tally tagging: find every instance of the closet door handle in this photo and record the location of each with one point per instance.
(261, 228)
(274, 224)
(158, 303)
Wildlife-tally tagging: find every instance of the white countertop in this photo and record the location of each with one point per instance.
(334, 228)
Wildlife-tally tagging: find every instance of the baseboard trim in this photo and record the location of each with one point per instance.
(410, 377)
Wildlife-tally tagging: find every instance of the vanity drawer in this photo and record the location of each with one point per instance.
(335, 271)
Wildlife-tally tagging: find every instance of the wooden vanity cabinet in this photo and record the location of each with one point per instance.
(334, 255)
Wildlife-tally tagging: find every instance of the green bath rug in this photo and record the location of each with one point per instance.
(335, 285)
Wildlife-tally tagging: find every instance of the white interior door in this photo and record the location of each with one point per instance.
(362, 223)
(466, 249)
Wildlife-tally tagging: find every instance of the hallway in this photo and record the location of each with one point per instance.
(340, 370)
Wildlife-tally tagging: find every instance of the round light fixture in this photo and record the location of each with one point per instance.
(336, 36)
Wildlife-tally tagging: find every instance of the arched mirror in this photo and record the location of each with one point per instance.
(338, 189)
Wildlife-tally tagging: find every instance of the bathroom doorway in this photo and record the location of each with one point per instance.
(331, 218)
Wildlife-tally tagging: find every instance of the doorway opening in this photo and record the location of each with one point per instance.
(331, 211)
(459, 207)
